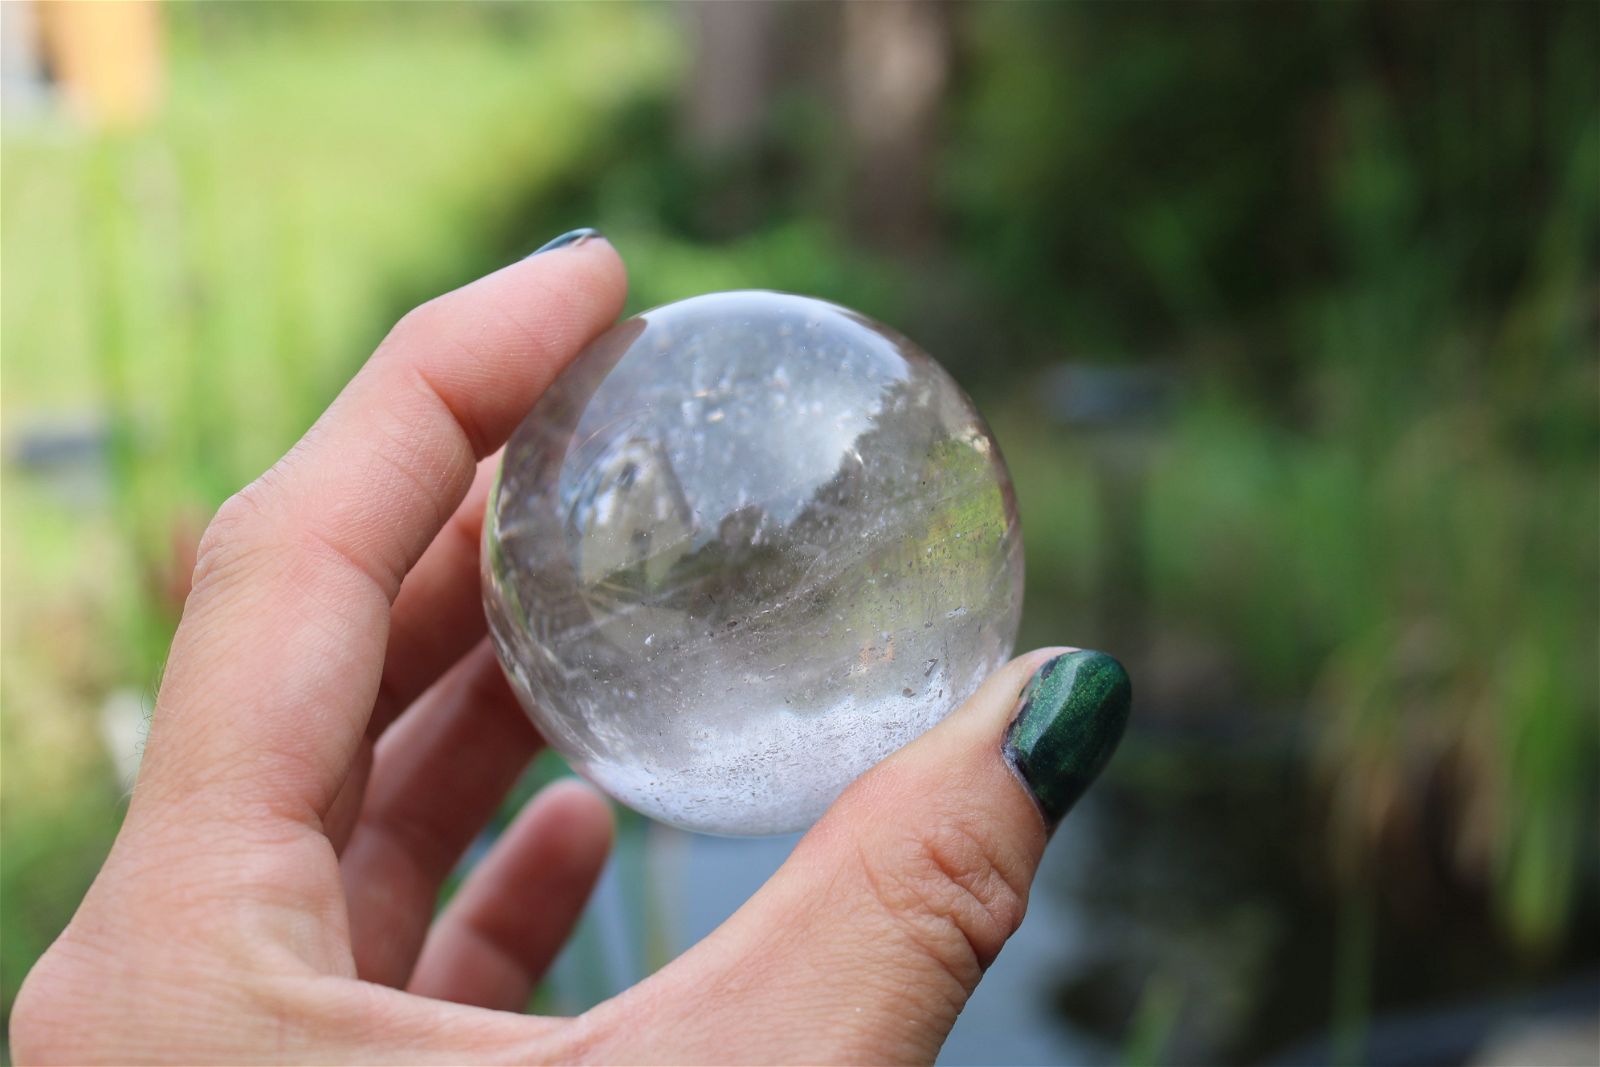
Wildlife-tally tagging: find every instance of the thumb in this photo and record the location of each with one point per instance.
(866, 945)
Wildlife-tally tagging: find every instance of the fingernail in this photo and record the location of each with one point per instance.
(1069, 720)
(567, 240)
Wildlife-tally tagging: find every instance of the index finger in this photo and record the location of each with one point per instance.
(277, 660)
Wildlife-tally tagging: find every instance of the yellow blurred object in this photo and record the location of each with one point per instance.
(107, 57)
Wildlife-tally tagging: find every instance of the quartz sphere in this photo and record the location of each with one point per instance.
(743, 548)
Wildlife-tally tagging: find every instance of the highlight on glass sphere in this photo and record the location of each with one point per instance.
(744, 547)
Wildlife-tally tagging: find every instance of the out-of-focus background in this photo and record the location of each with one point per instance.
(1286, 318)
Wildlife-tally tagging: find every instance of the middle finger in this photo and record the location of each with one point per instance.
(437, 777)
(437, 618)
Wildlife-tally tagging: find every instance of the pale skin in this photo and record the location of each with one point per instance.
(332, 732)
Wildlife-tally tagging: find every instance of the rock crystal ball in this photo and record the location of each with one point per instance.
(743, 548)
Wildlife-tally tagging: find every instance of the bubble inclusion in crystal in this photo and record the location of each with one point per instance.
(744, 547)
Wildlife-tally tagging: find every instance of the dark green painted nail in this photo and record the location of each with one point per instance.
(1068, 723)
(566, 240)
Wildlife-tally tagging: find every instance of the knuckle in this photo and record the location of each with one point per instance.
(955, 890)
(228, 530)
(417, 325)
(229, 535)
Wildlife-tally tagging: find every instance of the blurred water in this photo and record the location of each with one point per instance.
(699, 881)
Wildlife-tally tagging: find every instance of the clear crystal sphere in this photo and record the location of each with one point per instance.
(743, 548)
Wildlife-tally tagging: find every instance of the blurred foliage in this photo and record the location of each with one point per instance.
(1356, 248)
(1366, 239)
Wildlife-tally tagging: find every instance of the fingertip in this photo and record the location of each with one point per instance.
(599, 255)
(490, 947)
(1021, 669)
(1068, 722)
(576, 796)
(570, 239)
(576, 820)
(987, 711)
(590, 259)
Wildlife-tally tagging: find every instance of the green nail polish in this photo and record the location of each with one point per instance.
(1068, 723)
(566, 240)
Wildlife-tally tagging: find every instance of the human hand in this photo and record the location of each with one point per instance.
(333, 731)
